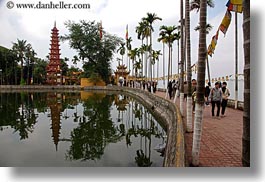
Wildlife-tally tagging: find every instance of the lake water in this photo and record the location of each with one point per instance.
(77, 129)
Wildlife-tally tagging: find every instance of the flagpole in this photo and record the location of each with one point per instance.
(236, 62)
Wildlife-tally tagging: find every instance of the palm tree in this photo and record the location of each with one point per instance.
(169, 38)
(143, 31)
(20, 49)
(200, 87)
(137, 66)
(246, 115)
(209, 27)
(163, 39)
(150, 19)
(140, 35)
(145, 48)
(178, 38)
(195, 4)
(188, 52)
(181, 80)
(121, 50)
(128, 47)
(155, 57)
(30, 55)
(132, 55)
(141, 52)
(33, 58)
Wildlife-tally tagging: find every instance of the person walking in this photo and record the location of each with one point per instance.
(193, 96)
(193, 90)
(216, 98)
(169, 87)
(225, 95)
(207, 93)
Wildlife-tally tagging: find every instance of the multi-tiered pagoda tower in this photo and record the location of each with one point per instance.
(54, 72)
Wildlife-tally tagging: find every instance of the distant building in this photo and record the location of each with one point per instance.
(121, 75)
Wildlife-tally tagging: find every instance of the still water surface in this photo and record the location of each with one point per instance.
(77, 129)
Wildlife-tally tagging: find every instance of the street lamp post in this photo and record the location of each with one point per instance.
(1, 75)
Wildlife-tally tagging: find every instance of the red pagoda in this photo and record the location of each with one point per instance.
(54, 72)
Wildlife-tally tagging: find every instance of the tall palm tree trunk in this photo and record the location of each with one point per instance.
(168, 71)
(164, 64)
(178, 57)
(181, 61)
(146, 59)
(188, 56)
(28, 79)
(200, 86)
(208, 68)
(21, 74)
(171, 62)
(246, 115)
(142, 60)
(157, 70)
(151, 57)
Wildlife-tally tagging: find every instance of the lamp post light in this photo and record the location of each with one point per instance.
(1, 75)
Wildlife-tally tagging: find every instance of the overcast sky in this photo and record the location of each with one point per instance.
(35, 27)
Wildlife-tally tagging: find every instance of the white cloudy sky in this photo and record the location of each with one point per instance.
(35, 26)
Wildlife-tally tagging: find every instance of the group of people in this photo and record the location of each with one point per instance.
(172, 88)
(217, 96)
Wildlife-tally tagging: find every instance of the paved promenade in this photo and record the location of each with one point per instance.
(221, 144)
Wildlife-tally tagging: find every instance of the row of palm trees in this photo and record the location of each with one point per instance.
(25, 52)
(144, 33)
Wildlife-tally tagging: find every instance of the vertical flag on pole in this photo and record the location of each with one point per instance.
(100, 30)
(225, 22)
(126, 35)
(212, 46)
(235, 5)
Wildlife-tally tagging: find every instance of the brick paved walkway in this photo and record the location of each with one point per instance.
(221, 143)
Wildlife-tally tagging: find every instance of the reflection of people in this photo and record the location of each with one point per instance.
(216, 98)
(142, 160)
(225, 95)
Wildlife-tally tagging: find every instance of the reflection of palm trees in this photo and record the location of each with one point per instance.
(26, 118)
(145, 130)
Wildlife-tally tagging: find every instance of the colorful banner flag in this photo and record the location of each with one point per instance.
(235, 5)
(126, 35)
(225, 22)
(213, 43)
(100, 30)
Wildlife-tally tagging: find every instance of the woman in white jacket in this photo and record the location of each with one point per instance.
(225, 95)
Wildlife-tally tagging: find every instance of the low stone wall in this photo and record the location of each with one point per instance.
(165, 112)
(231, 103)
(38, 88)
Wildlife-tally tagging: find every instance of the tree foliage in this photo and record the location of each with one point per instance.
(95, 53)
